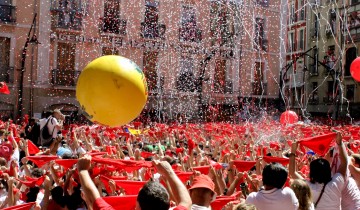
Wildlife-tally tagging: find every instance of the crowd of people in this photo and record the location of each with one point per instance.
(247, 166)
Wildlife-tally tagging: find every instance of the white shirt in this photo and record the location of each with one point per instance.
(275, 199)
(350, 195)
(51, 125)
(331, 197)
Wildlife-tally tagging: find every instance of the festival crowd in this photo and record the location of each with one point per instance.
(247, 166)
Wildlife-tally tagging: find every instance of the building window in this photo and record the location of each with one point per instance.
(150, 27)
(186, 80)
(314, 63)
(314, 97)
(301, 10)
(7, 11)
(111, 20)
(222, 23)
(150, 70)
(350, 92)
(292, 16)
(110, 51)
(4, 59)
(291, 45)
(259, 33)
(330, 28)
(188, 30)
(301, 44)
(219, 77)
(350, 57)
(69, 13)
(65, 73)
(264, 3)
(330, 59)
(258, 85)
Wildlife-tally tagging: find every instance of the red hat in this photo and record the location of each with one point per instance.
(319, 144)
(203, 181)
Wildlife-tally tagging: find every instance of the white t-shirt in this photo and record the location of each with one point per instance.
(331, 197)
(350, 199)
(51, 125)
(275, 199)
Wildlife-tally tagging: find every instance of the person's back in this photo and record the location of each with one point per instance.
(350, 195)
(274, 199)
(274, 196)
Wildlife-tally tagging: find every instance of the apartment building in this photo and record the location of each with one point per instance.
(194, 53)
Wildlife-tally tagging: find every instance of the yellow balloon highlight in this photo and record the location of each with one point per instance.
(112, 90)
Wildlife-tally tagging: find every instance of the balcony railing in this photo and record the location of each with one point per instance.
(67, 78)
(314, 70)
(7, 74)
(329, 32)
(113, 25)
(190, 34)
(328, 99)
(314, 33)
(78, 6)
(259, 88)
(313, 100)
(153, 30)
(7, 13)
(229, 88)
(66, 20)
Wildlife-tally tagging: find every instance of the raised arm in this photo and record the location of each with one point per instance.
(87, 184)
(292, 165)
(181, 194)
(342, 154)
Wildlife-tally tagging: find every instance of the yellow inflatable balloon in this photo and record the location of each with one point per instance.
(112, 90)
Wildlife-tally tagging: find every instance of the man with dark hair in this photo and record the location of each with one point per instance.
(153, 196)
(273, 196)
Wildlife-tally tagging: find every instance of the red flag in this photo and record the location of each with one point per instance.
(243, 165)
(33, 182)
(184, 176)
(41, 160)
(130, 187)
(25, 206)
(121, 202)
(270, 159)
(4, 88)
(219, 203)
(33, 149)
(146, 154)
(319, 144)
(66, 163)
(202, 169)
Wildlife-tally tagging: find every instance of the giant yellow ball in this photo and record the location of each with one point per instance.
(112, 90)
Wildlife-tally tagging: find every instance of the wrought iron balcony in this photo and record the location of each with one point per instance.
(7, 74)
(7, 13)
(190, 34)
(76, 6)
(66, 20)
(67, 78)
(113, 25)
(152, 30)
